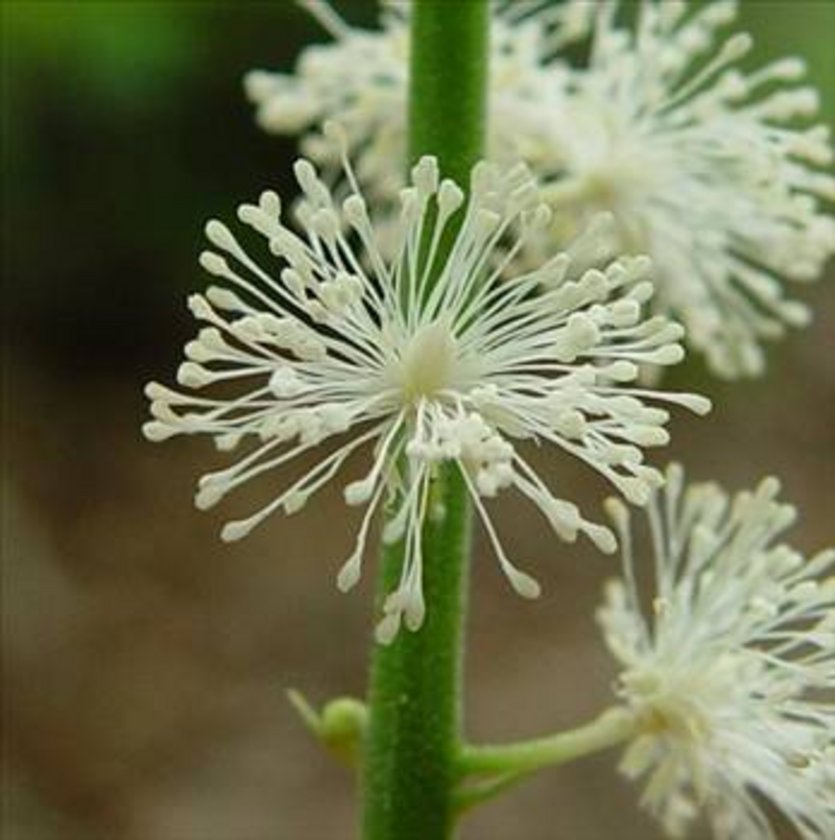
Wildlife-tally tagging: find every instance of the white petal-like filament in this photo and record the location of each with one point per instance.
(729, 664)
(323, 339)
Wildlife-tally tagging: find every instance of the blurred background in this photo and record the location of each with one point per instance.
(145, 662)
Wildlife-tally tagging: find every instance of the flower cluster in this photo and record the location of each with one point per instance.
(730, 666)
(361, 80)
(701, 164)
(428, 357)
(447, 328)
(704, 169)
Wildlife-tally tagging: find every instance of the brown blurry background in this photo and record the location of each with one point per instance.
(145, 661)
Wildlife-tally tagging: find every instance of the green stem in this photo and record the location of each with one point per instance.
(448, 90)
(471, 795)
(523, 757)
(506, 765)
(411, 747)
(412, 743)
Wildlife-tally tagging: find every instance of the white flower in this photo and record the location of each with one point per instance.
(360, 79)
(731, 671)
(329, 341)
(704, 168)
(701, 164)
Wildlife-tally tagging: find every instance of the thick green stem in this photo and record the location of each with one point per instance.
(411, 748)
(448, 90)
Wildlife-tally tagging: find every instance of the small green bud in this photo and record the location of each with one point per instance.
(340, 725)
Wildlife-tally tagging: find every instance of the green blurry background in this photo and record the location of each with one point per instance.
(145, 662)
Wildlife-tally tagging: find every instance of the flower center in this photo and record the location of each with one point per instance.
(677, 713)
(428, 363)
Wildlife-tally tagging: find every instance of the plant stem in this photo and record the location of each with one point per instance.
(523, 757)
(411, 749)
(506, 765)
(448, 84)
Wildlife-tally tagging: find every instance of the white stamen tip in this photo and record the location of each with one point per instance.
(155, 431)
(524, 585)
(359, 492)
(234, 531)
(386, 630)
(208, 496)
(349, 574)
(602, 537)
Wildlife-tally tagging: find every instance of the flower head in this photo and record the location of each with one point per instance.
(427, 358)
(702, 164)
(730, 673)
(704, 168)
(360, 79)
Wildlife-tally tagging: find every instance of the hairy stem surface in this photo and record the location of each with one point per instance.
(412, 743)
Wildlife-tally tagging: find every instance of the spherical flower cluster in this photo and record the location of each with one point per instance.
(703, 166)
(729, 665)
(428, 358)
